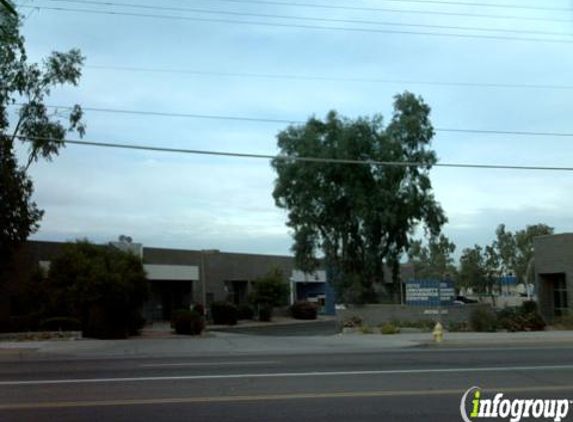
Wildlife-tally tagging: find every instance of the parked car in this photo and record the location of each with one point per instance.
(464, 300)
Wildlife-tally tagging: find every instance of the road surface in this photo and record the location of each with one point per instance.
(413, 384)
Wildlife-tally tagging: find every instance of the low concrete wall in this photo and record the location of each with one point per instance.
(374, 315)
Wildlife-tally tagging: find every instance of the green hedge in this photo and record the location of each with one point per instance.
(483, 320)
(246, 312)
(224, 313)
(188, 322)
(61, 324)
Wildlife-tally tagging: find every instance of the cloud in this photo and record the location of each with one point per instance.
(197, 202)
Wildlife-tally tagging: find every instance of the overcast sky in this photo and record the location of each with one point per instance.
(180, 201)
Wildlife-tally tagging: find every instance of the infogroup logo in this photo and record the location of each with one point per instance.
(474, 406)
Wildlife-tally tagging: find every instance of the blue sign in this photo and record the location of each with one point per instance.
(508, 281)
(427, 292)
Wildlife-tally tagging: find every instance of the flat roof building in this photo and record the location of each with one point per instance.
(554, 274)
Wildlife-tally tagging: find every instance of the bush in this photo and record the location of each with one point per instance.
(454, 326)
(425, 325)
(389, 328)
(61, 324)
(104, 322)
(23, 323)
(175, 314)
(565, 321)
(529, 307)
(365, 329)
(101, 285)
(189, 323)
(246, 312)
(199, 308)
(534, 322)
(135, 324)
(224, 313)
(304, 310)
(352, 322)
(525, 318)
(265, 313)
(483, 320)
(269, 291)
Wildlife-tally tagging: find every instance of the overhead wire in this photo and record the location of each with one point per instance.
(296, 121)
(293, 158)
(312, 19)
(403, 11)
(484, 5)
(313, 27)
(328, 78)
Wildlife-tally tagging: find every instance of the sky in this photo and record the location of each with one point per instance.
(199, 202)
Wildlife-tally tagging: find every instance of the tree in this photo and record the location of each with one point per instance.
(509, 253)
(506, 249)
(524, 247)
(516, 249)
(434, 260)
(27, 86)
(8, 7)
(472, 269)
(270, 291)
(360, 217)
(492, 270)
(101, 285)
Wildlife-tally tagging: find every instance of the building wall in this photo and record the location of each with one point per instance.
(227, 267)
(553, 256)
(220, 267)
(374, 315)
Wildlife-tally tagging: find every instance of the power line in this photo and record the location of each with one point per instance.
(300, 26)
(327, 78)
(291, 158)
(493, 5)
(294, 121)
(377, 9)
(313, 19)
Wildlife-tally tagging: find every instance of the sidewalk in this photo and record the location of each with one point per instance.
(226, 344)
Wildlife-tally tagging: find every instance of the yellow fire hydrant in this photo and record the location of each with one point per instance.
(438, 333)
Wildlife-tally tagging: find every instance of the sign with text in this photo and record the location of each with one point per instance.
(426, 292)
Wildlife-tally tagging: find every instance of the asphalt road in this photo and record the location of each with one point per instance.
(413, 384)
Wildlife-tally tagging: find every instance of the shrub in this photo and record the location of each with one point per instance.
(529, 307)
(101, 285)
(462, 326)
(389, 328)
(23, 323)
(105, 322)
(199, 308)
(483, 320)
(268, 292)
(189, 323)
(175, 314)
(510, 319)
(61, 324)
(565, 321)
(525, 318)
(224, 313)
(246, 312)
(135, 324)
(352, 322)
(365, 329)
(534, 322)
(265, 313)
(425, 325)
(304, 310)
